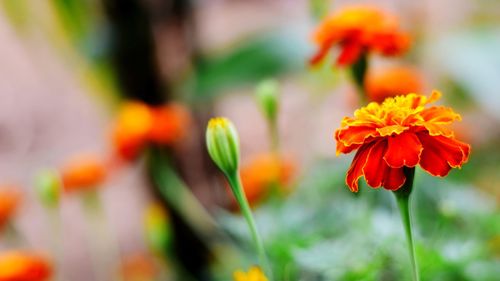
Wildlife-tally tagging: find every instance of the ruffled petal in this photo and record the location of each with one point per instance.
(393, 129)
(440, 154)
(394, 178)
(353, 135)
(375, 167)
(356, 169)
(403, 150)
(440, 114)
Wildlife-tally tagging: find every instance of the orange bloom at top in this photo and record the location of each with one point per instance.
(130, 133)
(400, 132)
(390, 82)
(83, 172)
(9, 200)
(359, 29)
(138, 124)
(263, 173)
(19, 266)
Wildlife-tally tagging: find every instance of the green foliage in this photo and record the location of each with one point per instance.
(323, 232)
(249, 62)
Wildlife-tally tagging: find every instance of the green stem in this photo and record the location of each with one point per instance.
(403, 200)
(358, 75)
(239, 193)
(274, 135)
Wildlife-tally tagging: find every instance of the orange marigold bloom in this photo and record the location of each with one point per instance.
(9, 200)
(264, 172)
(359, 29)
(390, 82)
(133, 124)
(20, 266)
(170, 123)
(400, 132)
(83, 172)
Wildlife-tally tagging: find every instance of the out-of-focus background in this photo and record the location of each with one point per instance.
(66, 67)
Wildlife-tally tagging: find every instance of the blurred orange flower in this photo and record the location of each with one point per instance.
(390, 82)
(131, 129)
(138, 123)
(170, 124)
(400, 132)
(264, 172)
(21, 266)
(9, 200)
(359, 29)
(254, 274)
(83, 172)
(139, 267)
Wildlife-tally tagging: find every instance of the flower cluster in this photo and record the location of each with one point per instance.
(400, 132)
(358, 30)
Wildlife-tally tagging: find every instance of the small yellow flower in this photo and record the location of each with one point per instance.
(254, 274)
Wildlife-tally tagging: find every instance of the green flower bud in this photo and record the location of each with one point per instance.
(48, 187)
(267, 93)
(223, 144)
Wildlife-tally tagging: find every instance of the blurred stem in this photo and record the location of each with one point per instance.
(403, 200)
(104, 250)
(239, 193)
(358, 75)
(274, 135)
(57, 245)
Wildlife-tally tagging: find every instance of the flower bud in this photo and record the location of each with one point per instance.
(267, 97)
(48, 187)
(223, 144)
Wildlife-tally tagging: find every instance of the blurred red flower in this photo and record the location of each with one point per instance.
(359, 29)
(22, 266)
(389, 82)
(9, 201)
(138, 124)
(400, 132)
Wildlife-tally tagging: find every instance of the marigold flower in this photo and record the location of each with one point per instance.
(390, 82)
(20, 266)
(359, 29)
(400, 132)
(254, 274)
(170, 124)
(263, 172)
(130, 133)
(9, 201)
(83, 172)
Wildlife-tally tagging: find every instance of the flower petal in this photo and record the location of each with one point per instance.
(403, 150)
(441, 153)
(393, 129)
(354, 135)
(394, 178)
(356, 169)
(351, 50)
(375, 167)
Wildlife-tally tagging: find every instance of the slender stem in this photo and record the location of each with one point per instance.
(358, 75)
(403, 200)
(239, 193)
(274, 135)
